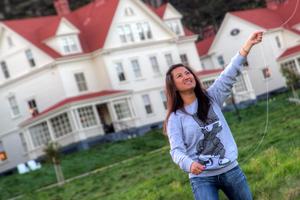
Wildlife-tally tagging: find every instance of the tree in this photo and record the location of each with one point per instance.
(53, 154)
(292, 79)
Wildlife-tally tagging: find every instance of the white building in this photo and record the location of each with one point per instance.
(85, 73)
(280, 46)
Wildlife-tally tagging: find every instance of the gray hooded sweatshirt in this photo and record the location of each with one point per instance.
(210, 143)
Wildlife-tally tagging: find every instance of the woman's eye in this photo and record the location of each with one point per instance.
(178, 76)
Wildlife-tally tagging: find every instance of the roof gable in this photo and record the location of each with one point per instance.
(65, 27)
(171, 13)
(142, 14)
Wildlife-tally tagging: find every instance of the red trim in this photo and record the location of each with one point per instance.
(290, 51)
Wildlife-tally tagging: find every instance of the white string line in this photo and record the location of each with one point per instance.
(267, 112)
(267, 89)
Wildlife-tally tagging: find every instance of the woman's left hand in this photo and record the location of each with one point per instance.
(254, 39)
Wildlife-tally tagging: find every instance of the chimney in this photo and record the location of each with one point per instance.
(62, 7)
(273, 4)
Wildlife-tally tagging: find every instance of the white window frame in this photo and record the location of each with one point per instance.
(184, 59)
(32, 109)
(14, 107)
(155, 65)
(69, 44)
(61, 125)
(220, 59)
(122, 113)
(136, 68)
(29, 56)
(169, 59)
(120, 71)
(147, 104)
(42, 135)
(87, 116)
(163, 98)
(80, 81)
(5, 70)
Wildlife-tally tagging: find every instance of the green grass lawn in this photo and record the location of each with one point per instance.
(272, 170)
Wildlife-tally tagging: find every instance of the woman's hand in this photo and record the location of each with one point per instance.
(254, 39)
(196, 168)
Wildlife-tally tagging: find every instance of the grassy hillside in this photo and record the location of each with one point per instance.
(272, 169)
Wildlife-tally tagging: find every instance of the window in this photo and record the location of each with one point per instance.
(10, 42)
(125, 33)
(278, 41)
(291, 65)
(81, 82)
(5, 69)
(61, 125)
(128, 33)
(120, 72)
(122, 34)
(69, 45)
(122, 110)
(169, 59)
(240, 85)
(136, 68)
(87, 116)
(144, 31)
(266, 73)
(23, 142)
(208, 83)
(163, 98)
(129, 11)
(29, 57)
(33, 107)
(40, 134)
(147, 104)
(174, 26)
(184, 59)
(13, 105)
(155, 65)
(3, 155)
(221, 60)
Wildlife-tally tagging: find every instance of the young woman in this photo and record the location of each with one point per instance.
(200, 138)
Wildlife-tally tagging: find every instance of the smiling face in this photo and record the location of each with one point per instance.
(183, 79)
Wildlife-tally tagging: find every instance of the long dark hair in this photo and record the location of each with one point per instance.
(174, 100)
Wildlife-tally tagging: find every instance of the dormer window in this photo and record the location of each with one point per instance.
(69, 44)
(174, 26)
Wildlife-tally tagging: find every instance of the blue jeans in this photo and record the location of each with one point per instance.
(233, 183)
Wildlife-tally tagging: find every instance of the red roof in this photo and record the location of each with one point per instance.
(75, 99)
(204, 45)
(289, 52)
(208, 72)
(268, 18)
(93, 21)
(160, 11)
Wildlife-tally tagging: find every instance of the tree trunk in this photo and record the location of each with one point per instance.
(59, 173)
(295, 94)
